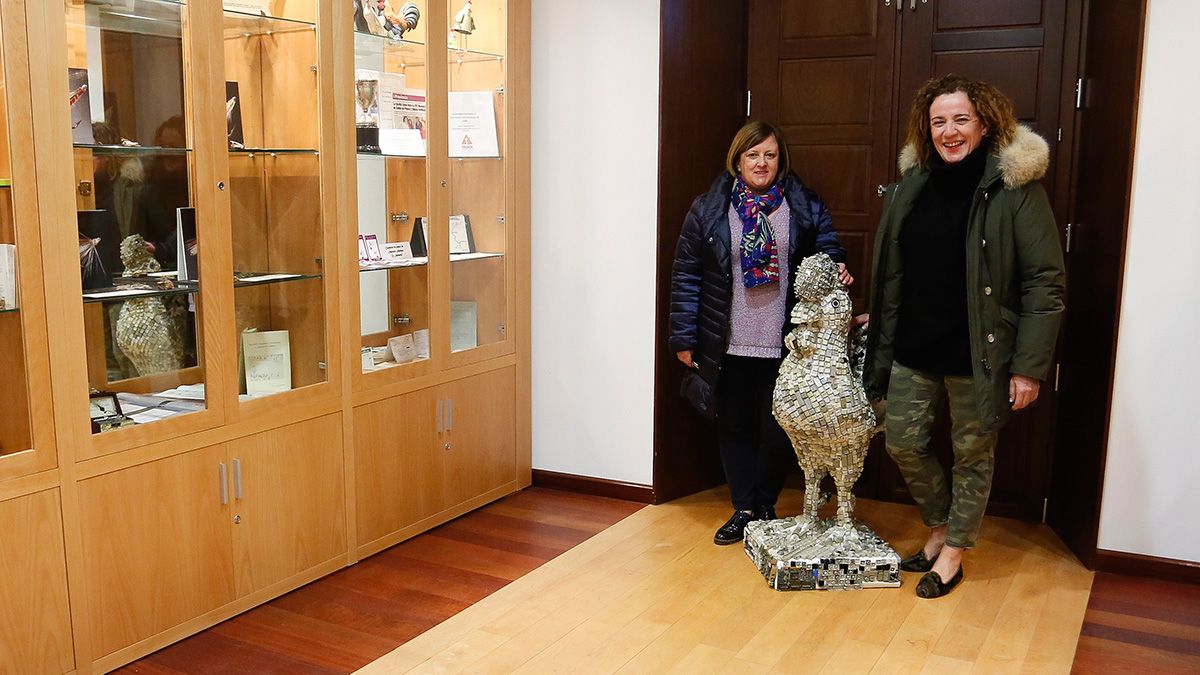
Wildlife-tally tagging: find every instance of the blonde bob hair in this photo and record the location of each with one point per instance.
(751, 135)
(994, 109)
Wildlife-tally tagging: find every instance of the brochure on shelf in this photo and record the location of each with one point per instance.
(186, 261)
(403, 348)
(473, 124)
(267, 360)
(421, 338)
(8, 277)
(373, 253)
(463, 325)
(233, 117)
(462, 240)
(81, 107)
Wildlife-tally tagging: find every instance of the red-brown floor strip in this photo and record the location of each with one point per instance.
(348, 619)
(1136, 625)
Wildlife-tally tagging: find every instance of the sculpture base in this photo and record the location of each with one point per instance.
(811, 554)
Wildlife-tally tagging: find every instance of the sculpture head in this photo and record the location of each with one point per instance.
(136, 256)
(816, 277)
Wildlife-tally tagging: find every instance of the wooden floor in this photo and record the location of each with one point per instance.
(1137, 625)
(348, 619)
(652, 594)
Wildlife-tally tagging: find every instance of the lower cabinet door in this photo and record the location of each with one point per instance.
(289, 502)
(156, 546)
(398, 470)
(480, 445)
(35, 628)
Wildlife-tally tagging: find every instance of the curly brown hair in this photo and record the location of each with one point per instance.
(994, 109)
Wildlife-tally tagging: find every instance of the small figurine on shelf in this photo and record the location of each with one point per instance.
(464, 22)
(145, 331)
(378, 17)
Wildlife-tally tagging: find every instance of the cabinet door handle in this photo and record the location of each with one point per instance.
(449, 414)
(223, 474)
(439, 417)
(237, 479)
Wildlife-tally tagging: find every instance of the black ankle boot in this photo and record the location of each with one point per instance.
(733, 529)
(765, 513)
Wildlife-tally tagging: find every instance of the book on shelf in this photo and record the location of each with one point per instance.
(99, 248)
(267, 362)
(8, 277)
(81, 106)
(473, 124)
(233, 117)
(186, 246)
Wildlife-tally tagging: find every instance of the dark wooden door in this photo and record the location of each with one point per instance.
(822, 70)
(838, 76)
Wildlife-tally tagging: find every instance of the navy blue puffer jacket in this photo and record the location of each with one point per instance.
(702, 276)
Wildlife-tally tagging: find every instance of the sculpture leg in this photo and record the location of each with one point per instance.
(812, 490)
(845, 475)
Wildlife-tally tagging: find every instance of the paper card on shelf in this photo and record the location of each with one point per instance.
(403, 348)
(186, 261)
(133, 293)
(421, 339)
(267, 277)
(8, 277)
(190, 392)
(81, 106)
(401, 142)
(461, 238)
(397, 251)
(373, 252)
(260, 7)
(473, 124)
(362, 249)
(267, 359)
(463, 325)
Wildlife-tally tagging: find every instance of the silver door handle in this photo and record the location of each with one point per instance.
(223, 475)
(449, 414)
(440, 427)
(237, 479)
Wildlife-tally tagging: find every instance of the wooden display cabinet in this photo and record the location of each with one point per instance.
(216, 501)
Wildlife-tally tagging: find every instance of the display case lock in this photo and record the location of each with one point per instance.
(500, 218)
(401, 320)
(500, 90)
(221, 185)
(444, 184)
(401, 217)
(501, 328)
(321, 365)
(85, 187)
(237, 520)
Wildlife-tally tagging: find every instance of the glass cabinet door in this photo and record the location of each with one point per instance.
(476, 147)
(16, 434)
(390, 85)
(128, 96)
(273, 128)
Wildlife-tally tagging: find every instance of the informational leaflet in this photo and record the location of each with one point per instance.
(259, 7)
(473, 124)
(267, 359)
(402, 118)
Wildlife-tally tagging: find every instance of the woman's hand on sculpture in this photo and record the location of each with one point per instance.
(686, 357)
(844, 275)
(1022, 391)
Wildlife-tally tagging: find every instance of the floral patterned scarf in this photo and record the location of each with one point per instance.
(760, 256)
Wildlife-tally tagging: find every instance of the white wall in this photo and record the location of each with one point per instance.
(595, 206)
(1152, 479)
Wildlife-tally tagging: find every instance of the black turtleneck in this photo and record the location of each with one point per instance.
(932, 333)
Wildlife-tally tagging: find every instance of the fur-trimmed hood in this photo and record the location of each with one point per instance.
(1024, 160)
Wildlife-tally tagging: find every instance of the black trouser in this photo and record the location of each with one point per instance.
(755, 452)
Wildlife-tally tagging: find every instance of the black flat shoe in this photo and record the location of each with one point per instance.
(917, 562)
(765, 513)
(931, 586)
(734, 529)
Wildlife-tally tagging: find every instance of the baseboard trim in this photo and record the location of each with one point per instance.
(1136, 564)
(601, 487)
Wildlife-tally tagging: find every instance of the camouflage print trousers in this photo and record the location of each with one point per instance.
(912, 400)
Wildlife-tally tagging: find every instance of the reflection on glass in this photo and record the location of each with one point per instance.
(126, 92)
(478, 235)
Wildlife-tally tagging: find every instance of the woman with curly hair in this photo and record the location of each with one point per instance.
(966, 303)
